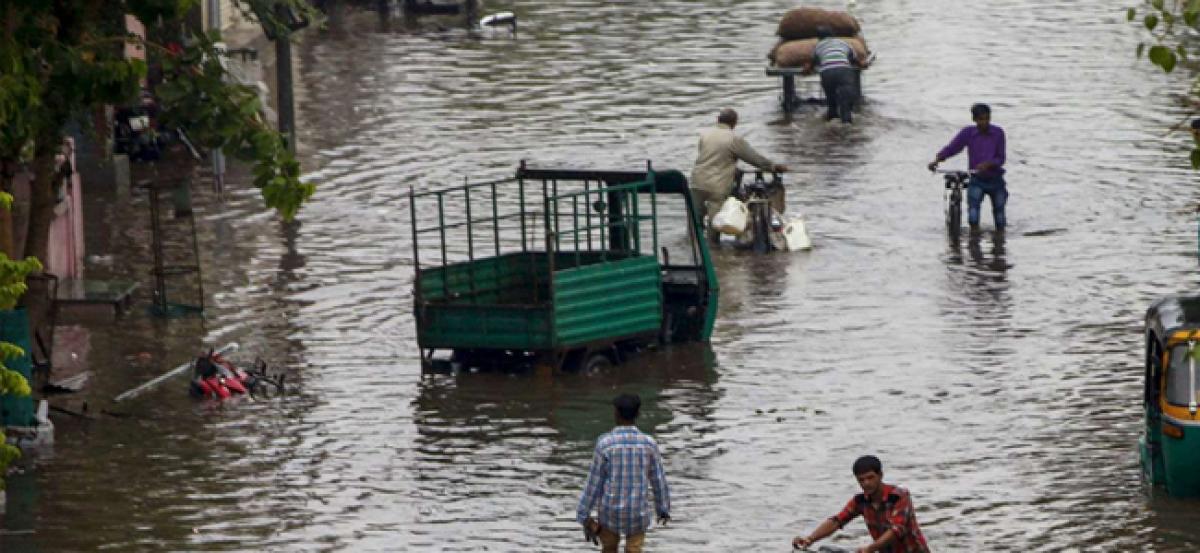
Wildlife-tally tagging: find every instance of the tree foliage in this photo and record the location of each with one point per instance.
(1171, 25)
(62, 60)
(12, 287)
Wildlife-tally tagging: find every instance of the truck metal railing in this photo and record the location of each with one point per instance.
(613, 222)
(597, 216)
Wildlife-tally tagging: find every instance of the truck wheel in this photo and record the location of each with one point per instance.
(596, 361)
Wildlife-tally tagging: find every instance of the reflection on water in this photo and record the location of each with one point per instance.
(997, 378)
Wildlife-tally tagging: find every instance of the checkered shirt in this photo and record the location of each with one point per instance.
(625, 464)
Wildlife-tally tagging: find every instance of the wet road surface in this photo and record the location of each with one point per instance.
(997, 378)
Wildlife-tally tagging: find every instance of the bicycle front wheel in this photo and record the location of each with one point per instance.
(762, 228)
(954, 213)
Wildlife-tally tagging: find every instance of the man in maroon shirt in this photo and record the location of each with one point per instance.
(887, 510)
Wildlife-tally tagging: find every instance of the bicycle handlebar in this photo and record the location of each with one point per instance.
(955, 172)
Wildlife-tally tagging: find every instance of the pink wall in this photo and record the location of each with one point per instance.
(65, 255)
(66, 232)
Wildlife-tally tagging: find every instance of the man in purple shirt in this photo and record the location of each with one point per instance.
(985, 158)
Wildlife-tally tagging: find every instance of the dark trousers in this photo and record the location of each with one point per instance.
(995, 189)
(840, 92)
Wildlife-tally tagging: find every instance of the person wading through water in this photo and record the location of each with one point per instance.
(985, 144)
(626, 464)
(887, 510)
(716, 167)
(835, 60)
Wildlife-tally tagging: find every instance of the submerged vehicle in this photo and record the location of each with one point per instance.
(559, 268)
(215, 377)
(1170, 442)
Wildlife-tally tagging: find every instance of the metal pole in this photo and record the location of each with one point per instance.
(470, 241)
(283, 79)
(789, 93)
(495, 220)
(521, 199)
(160, 282)
(575, 227)
(1192, 378)
(442, 233)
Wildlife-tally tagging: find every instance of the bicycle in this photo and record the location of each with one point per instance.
(757, 197)
(955, 182)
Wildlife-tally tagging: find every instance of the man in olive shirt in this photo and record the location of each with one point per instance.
(716, 164)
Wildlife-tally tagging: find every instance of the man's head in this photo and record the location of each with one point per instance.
(627, 407)
(982, 115)
(869, 473)
(727, 116)
(824, 31)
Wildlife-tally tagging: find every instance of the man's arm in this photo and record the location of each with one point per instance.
(594, 485)
(658, 481)
(829, 525)
(744, 152)
(952, 149)
(1001, 151)
(879, 544)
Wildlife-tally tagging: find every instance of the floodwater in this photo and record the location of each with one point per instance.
(997, 379)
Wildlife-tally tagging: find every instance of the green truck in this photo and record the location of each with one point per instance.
(559, 268)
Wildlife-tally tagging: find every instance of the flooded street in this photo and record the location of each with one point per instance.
(999, 380)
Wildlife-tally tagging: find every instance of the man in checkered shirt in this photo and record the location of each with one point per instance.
(626, 463)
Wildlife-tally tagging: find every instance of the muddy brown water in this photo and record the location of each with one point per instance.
(997, 379)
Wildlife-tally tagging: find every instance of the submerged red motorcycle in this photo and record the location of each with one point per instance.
(214, 376)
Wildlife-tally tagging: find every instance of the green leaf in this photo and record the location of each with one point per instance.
(1196, 158)
(1141, 50)
(1150, 21)
(1163, 57)
(1131, 14)
(1158, 4)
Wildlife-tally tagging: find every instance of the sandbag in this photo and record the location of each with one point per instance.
(797, 53)
(802, 23)
(732, 217)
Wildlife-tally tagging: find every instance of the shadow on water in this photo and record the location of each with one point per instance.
(576, 406)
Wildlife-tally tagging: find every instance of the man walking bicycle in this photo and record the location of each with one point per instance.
(985, 144)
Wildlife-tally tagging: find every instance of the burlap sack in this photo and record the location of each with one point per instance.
(798, 53)
(859, 45)
(802, 23)
(794, 53)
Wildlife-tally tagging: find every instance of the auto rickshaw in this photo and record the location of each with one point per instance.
(1170, 442)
